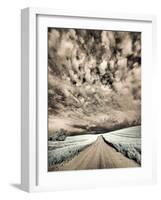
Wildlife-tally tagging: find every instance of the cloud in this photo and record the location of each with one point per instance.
(93, 72)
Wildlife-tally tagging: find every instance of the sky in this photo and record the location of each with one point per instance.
(94, 78)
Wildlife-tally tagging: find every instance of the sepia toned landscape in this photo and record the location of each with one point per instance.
(94, 99)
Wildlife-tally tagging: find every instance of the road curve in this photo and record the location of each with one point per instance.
(99, 155)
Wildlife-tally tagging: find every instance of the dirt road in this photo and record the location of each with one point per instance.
(97, 156)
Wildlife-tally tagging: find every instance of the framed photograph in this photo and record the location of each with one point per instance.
(86, 106)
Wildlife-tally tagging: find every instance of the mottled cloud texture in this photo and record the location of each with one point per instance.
(94, 77)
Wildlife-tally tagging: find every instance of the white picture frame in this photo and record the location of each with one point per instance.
(33, 117)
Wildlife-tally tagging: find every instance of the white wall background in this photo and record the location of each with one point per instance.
(10, 98)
